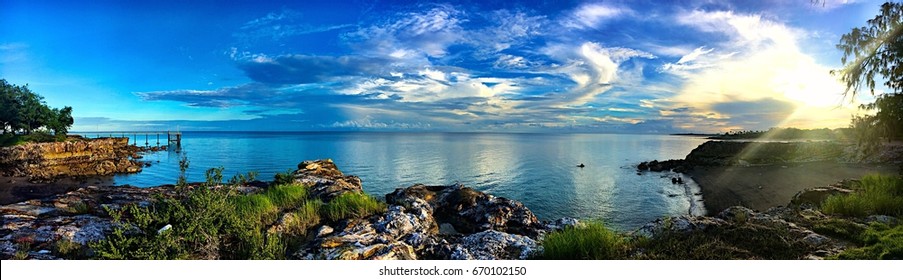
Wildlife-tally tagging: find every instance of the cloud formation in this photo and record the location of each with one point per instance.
(595, 66)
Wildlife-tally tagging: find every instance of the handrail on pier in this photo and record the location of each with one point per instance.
(171, 136)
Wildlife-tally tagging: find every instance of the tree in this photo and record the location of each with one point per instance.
(874, 49)
(22, 110)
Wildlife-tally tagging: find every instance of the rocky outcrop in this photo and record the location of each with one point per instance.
(677, 165)
(325, 180)
(721, 153)
(740, 221)
(474, 225)
(735, 153)
(470, 211)
(80, 216)
(72, 158)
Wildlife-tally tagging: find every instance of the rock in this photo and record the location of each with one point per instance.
(471, 211)
(494, 245)
(324, 231)
(393, 235)
(562, 223)
(325, 180)
(660, 166)
(813, 197)
(44, 162)
(884, 219)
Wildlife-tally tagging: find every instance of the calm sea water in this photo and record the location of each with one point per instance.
(536, 169)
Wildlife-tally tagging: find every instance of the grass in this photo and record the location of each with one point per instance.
(352, 205)
(306, 216)
(875, 195)
(881, 242)
(68, 249)
(736, 241)
(78, 207)
(591, 242)
(39, 136)
(210, 222)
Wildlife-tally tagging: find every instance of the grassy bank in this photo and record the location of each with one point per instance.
(220, 223)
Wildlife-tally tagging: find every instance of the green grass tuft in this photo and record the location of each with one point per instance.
(881, 243)
(592, 242)
(352, 205)
(875, 195)
(306, 216)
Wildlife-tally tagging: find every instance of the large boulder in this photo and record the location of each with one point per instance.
(470, 211)
(393, 235)
(325, 180)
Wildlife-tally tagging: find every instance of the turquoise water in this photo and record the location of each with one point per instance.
(536, 169)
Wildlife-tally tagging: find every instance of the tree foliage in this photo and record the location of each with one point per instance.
(22, 110)
(874, 50)
(871, 52)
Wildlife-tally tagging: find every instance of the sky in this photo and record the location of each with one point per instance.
(499, 66)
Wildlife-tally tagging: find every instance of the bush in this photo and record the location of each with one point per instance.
(283, 178)
(352, 205)
(875, 195)
(592, 242)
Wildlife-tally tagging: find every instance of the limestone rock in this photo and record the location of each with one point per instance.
(325, 180)
(471, 211)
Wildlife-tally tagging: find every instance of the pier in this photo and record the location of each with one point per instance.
(172, 137)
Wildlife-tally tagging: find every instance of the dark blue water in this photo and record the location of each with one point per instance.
(536, 169)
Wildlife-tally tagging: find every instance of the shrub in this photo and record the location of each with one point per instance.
(592, 242)
(352, 205)
(283, 178)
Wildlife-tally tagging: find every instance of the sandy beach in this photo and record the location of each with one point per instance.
(763, 187)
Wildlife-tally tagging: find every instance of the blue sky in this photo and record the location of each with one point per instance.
(518, 66)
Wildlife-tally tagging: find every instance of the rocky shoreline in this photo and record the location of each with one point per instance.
(761, 175)
(419, 222)
(75, 157)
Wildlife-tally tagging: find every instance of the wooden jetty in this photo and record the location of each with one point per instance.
(172, 137)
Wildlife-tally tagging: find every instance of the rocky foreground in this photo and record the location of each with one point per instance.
(420, 222)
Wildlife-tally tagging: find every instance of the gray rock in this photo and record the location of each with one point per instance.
(884, 219)
(494, 245)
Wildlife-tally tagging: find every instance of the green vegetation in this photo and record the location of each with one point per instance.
(590, 242)
(352, 205)
(875, 195)
(25, 112)
(874, 51)
(786, 134)
(283, 178)
(880, 242)
(215, 221)
(730, 242)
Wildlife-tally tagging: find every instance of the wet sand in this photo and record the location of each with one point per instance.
(763, 187)
(17, 189)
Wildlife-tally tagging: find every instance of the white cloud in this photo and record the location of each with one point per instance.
(693, 55)
(759, 63)
(593, 15)
(430, 33)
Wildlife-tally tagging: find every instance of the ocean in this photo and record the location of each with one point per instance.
(539, 170)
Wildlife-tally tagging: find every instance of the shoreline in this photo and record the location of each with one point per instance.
(762, 187)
